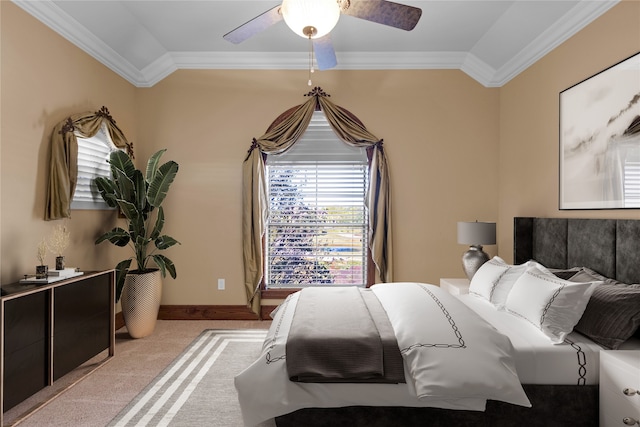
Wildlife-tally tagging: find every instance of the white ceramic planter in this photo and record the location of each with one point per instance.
(140, 302)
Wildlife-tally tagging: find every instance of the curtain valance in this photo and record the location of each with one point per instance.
(63, 167)
(280, 136)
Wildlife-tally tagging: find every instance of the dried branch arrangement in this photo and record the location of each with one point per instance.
(59, 240)
(42, 251)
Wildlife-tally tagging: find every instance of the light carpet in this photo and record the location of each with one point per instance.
(197, 389)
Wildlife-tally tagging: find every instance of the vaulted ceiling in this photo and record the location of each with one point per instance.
(146, 40)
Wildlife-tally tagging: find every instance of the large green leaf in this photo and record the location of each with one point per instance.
(165, 264)
(119, 160)
(138, 227)
(140, 191)
(164, 242)
(161, 182)
(107, 190)
(129, 210)
(118, 236)
(121, 274)
(125, 189)
(159, 225)
(152, 164)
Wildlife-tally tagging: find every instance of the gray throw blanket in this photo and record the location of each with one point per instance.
(342, 335)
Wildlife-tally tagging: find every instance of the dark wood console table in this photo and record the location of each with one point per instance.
(48, 330)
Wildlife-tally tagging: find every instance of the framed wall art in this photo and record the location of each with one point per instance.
(600, 140)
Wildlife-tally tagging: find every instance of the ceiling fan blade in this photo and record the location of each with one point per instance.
(325, 55)
(385, 12)
(254, 26)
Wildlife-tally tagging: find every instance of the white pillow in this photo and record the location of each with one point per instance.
(551, 304)
(495, 278)
(506, 282)
(487, 277)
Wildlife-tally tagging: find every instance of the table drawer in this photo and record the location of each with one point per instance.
(619, 376)
(616, 406)
(619, 370)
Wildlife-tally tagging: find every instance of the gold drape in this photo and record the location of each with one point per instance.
(63, 168)
(281, 135)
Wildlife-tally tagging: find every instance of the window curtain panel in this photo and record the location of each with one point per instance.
(281, 135)
(63, 167)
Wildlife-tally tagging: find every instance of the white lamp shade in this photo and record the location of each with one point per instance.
(323, 15)
(477, 233)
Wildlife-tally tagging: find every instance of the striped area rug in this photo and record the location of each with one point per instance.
(197, 389)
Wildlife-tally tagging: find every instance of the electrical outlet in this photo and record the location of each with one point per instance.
(221, 284)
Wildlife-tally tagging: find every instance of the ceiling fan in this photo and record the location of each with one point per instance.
(314, 19)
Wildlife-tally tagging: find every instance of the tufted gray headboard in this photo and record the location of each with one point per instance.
(609, 246)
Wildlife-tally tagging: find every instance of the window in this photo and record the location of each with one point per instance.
(93, 154)
(317, 229)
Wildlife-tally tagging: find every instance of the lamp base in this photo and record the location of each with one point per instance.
(473, 259)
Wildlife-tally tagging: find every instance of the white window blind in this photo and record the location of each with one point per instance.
(93, 154)
(317, 228)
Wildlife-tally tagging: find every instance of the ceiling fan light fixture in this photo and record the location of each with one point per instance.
(322, 15)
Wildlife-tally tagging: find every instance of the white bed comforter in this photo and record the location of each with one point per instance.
(453, 360)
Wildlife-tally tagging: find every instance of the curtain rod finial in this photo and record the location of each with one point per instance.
(104, 112)
(67, 127)
(317, 91)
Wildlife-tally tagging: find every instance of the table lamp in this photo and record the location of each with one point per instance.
(475, 234)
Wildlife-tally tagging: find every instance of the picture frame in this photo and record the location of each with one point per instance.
(600, 140)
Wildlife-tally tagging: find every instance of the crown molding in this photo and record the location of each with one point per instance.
(477, 69)
(577, 18)
(572, 22)
(300, 60)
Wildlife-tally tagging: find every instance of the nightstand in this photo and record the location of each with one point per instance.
(619, 385)
(455, 286)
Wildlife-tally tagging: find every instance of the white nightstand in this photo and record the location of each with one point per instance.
(455, 286)
(619, 383)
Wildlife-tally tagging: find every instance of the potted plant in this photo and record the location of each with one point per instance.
(139, 198)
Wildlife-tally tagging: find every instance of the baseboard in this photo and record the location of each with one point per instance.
(266, 310)
(206, 312)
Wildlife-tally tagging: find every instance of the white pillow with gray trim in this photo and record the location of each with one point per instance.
(551, 304)
(495, 278)
(487, 277)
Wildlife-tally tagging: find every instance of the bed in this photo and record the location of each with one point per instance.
(535, 382)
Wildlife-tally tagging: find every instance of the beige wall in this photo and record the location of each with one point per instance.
(44, 79)
(529, 119)
(437, 127)
(457, 150)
